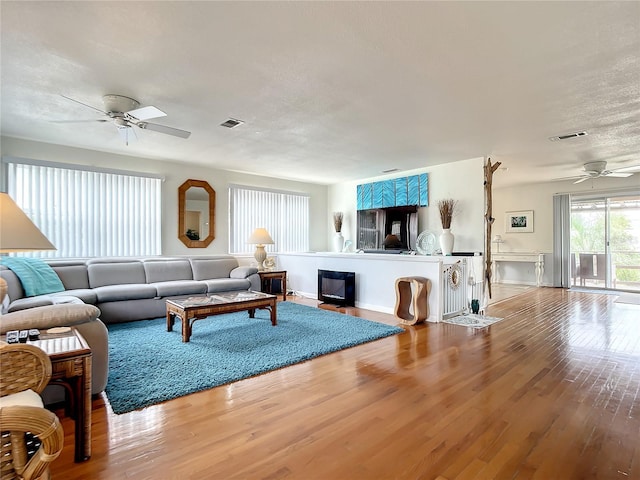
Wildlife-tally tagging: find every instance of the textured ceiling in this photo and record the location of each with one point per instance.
(334, 91)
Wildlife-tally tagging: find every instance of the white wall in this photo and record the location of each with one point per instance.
(175, 174)
(463, 181)
(539, 198)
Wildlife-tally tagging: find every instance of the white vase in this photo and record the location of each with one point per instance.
(446, 241)
(338, 242)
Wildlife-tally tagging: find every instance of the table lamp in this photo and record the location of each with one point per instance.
(17, 234)
(498, 240)
(260, 237)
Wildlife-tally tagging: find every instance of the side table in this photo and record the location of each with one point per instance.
(266, 280)
(412, 303)
(71, 367)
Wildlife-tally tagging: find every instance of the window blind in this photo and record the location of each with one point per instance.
(285, 215)
(89, 213)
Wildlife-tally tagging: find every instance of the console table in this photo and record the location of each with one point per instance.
(536, 258)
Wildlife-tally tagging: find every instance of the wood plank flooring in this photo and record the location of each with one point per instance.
(550, 392)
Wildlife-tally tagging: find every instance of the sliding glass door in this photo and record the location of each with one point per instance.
(605, 242)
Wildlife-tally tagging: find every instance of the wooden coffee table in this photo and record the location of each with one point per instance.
(196, 307)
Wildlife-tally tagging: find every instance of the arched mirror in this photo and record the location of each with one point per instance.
(196, 213)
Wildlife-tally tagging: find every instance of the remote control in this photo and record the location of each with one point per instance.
(12, 336)
(23, 336)
(34, 334)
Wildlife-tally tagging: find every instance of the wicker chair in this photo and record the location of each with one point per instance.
(25, 367)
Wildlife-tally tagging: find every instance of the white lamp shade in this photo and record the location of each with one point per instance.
(17, 232)
(260, 236)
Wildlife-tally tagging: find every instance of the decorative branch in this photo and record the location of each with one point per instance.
(488, 217)
(447, 208)
(337, 221)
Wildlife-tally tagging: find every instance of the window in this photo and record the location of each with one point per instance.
(605, 241)
(88, 213)
(285, 215)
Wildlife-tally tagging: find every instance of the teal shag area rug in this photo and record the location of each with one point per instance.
(148, 365)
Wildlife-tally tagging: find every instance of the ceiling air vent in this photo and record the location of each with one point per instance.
(231, 123)
(567, 136)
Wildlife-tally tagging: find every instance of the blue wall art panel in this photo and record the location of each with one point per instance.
(377, 194)
(397, 192)
(388, 193)
(365, 197)
(402, 191)
(414, 196)
(424, 190)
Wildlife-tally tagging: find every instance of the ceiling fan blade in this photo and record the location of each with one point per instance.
(84, 104)
(146, 113)
(618, 174)
(79, 121)
(163, 129)
(580, 180)
(632, 169)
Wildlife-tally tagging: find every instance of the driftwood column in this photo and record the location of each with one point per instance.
(488, 217)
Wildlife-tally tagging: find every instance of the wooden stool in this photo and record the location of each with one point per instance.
(411, 294)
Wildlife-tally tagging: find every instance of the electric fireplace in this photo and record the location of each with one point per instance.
(337, 288)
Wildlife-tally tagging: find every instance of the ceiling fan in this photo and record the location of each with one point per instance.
(125, 113)
(599, 169)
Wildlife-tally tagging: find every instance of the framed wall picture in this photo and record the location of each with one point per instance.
(519, 222)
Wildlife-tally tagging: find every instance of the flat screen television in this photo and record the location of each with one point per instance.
(376, 225)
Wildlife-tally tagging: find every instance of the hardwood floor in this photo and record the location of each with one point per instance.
(550, 392)
(502, 291)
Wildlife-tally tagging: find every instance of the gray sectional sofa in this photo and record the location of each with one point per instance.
(123, 289)
(126, 289)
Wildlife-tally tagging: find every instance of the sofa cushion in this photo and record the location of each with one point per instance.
(114, 293)
(73, 276)
(226, 284)
(30, 302)
(25, 398)
(48, 316)
(115, 273)
(43, 300)
(87, 295)
(212, 267)
(179, 287)
(130, 310)
(167, 270)
(242, 272)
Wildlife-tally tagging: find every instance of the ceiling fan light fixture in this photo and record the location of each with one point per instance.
(595, 167)
(567, 136)
(120, 122)
(119, 103)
